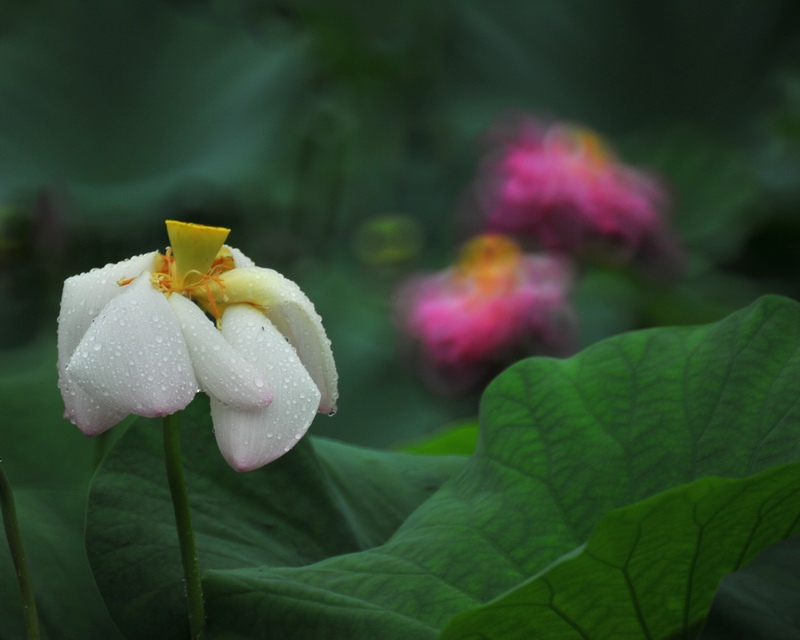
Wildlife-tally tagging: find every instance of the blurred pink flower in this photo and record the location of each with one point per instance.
(561, 186)
(494, 306)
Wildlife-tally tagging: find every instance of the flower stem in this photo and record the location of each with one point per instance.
(183, 523)
(18, 556)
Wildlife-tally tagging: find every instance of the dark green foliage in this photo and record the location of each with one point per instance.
(320, 500)
(562, 443)
(649, 570)
(760, 600)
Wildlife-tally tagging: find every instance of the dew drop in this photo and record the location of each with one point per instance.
(97, 346)
(159, 339)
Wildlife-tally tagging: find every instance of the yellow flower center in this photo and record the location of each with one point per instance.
(587, 153)
(490, 263)
(194, 260)
(195, 247)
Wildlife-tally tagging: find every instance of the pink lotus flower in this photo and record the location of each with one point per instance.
(561, 187)
(493, 307)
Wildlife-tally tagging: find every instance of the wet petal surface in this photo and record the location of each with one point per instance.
(239, 259)
(223, 372)
(293, 314)
(87, 413)
(85, 295)
(251, 439)
(133, 357)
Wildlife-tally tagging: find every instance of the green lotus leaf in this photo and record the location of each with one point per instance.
(649, 570)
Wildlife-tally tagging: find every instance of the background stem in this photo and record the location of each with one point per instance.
(18, 555)
(183, 523)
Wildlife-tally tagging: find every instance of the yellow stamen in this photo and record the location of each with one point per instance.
(202, 290)
(194, 250)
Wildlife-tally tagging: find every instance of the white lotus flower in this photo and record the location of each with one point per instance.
(134, 338)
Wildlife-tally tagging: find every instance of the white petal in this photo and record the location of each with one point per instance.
(251, 439)
(294, 315)
(303, 326)
(239, 259)
(82, 299)
(89, 414)
(221, 370)
(133, 356)
(85, 295)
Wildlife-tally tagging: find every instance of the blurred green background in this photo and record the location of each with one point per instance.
(302, 125)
